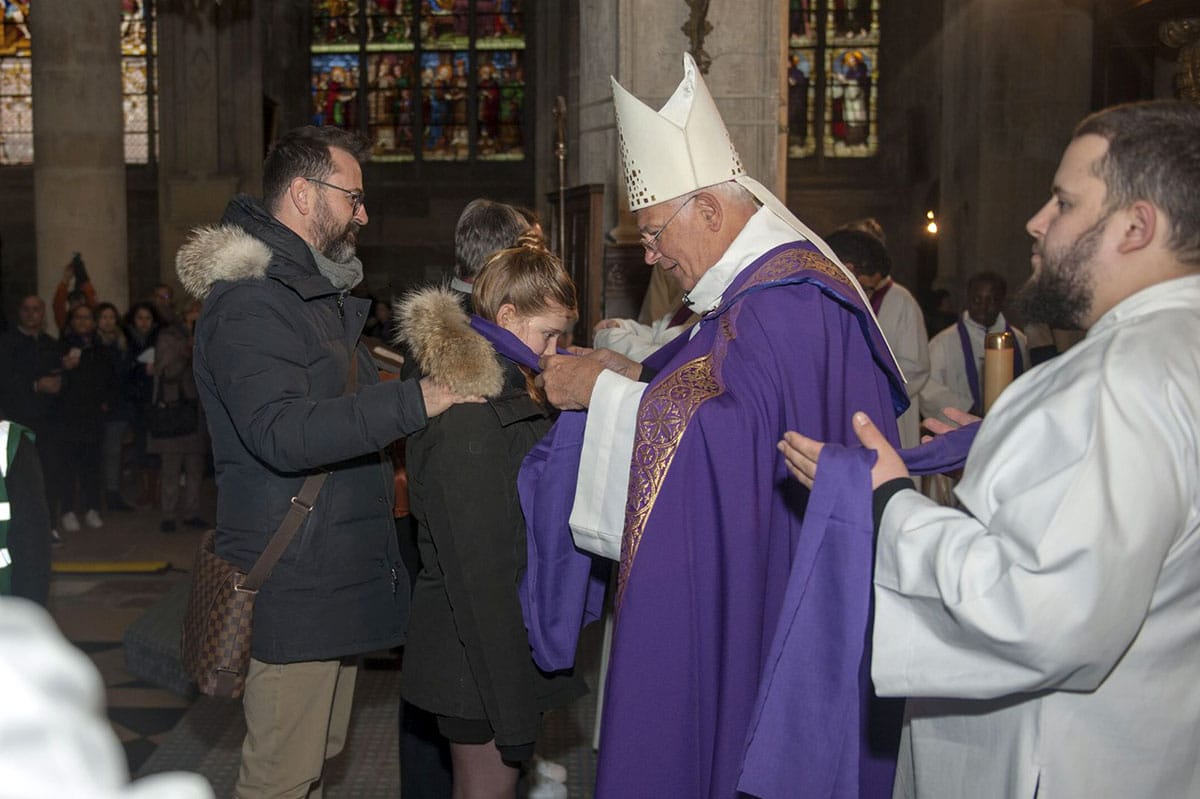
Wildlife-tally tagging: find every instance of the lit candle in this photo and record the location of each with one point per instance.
(997, 366)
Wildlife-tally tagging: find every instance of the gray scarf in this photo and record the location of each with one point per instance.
(344, 276)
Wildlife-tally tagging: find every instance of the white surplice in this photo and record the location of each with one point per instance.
(1061, 615)
(903, 326)
(948, 385)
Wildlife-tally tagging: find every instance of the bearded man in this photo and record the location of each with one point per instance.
(1047, 634)
(274, 348)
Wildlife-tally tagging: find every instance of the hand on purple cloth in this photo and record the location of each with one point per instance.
(939, 454)
(802, 453)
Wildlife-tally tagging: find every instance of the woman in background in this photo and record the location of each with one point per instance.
(184, 453)
(88, 394)
(116, 419)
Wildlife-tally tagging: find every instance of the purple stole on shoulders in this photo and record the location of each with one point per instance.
(877, 296)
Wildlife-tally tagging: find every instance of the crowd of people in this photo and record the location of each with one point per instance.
(791, 618)
(87, 394)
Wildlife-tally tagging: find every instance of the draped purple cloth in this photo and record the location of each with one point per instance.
(943, 453)
(807, 735)
(716, 554)
(829, 600)
(562, 589)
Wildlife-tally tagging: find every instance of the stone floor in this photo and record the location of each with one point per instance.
(96, 594)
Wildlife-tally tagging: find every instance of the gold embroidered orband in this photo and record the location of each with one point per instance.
(791, 262)
(662, 419)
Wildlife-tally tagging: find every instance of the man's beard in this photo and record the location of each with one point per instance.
(1060, 294)
(333, 241)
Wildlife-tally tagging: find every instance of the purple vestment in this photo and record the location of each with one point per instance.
(713, 533)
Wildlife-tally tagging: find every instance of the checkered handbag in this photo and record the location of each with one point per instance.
(217, 624)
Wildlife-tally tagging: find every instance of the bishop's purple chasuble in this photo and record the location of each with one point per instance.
(714, 547)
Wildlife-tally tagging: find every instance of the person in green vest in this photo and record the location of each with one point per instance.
(24, 517)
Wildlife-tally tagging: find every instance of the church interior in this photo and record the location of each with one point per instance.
(126, 124)
(943, 120)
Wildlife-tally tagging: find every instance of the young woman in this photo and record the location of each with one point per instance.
(467, 659)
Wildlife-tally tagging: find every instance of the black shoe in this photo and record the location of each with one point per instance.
(197, 523)
(167, 527)
(113, 501)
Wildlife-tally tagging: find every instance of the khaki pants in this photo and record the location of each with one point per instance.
(297, 715)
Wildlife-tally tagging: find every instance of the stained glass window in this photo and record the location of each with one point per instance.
(16, 85)
(137, 82)
(435, 80)
(833, 78)
(139, 77)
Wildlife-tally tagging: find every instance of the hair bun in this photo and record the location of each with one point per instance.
(532, 240)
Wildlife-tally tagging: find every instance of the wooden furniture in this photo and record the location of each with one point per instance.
(583, 210)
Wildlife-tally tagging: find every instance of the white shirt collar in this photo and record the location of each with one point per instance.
(999, 326)
(764, 231)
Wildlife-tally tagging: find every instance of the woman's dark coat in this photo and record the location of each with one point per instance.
(468, 652)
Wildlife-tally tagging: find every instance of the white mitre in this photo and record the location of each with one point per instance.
(684, 147)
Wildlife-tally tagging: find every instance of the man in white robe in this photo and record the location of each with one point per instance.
(1048, 634)
(950, 381)
(898, 312)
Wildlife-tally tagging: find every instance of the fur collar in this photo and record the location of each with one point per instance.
(225, 252)
(433, 325)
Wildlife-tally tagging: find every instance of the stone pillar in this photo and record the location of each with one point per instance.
(78, 143)
(1016, 80)
(641, 43)
(211, 113)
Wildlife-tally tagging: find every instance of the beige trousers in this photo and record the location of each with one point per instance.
(297, 715)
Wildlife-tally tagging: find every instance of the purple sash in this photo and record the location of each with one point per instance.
(877, 297)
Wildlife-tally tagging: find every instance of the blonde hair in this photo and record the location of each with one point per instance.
(528, 276)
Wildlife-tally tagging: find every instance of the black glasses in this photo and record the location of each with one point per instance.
(357, 198)
(651, 244)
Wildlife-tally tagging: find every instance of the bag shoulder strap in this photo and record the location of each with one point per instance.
(302, 505)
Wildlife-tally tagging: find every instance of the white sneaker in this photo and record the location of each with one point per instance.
(92, 519)
(56, 539)
(547, 789)
(549, 770)
(69, 522)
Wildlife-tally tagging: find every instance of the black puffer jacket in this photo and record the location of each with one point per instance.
(272, 356)
(468, 652)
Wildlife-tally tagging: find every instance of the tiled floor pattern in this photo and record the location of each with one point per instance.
(162, 731)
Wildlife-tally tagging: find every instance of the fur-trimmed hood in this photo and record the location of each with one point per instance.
(437, 331)
(249, 244)
(220, 252)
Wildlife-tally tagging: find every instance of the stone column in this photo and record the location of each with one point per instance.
(78, 143)
(1011, 94)
(211, 112)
